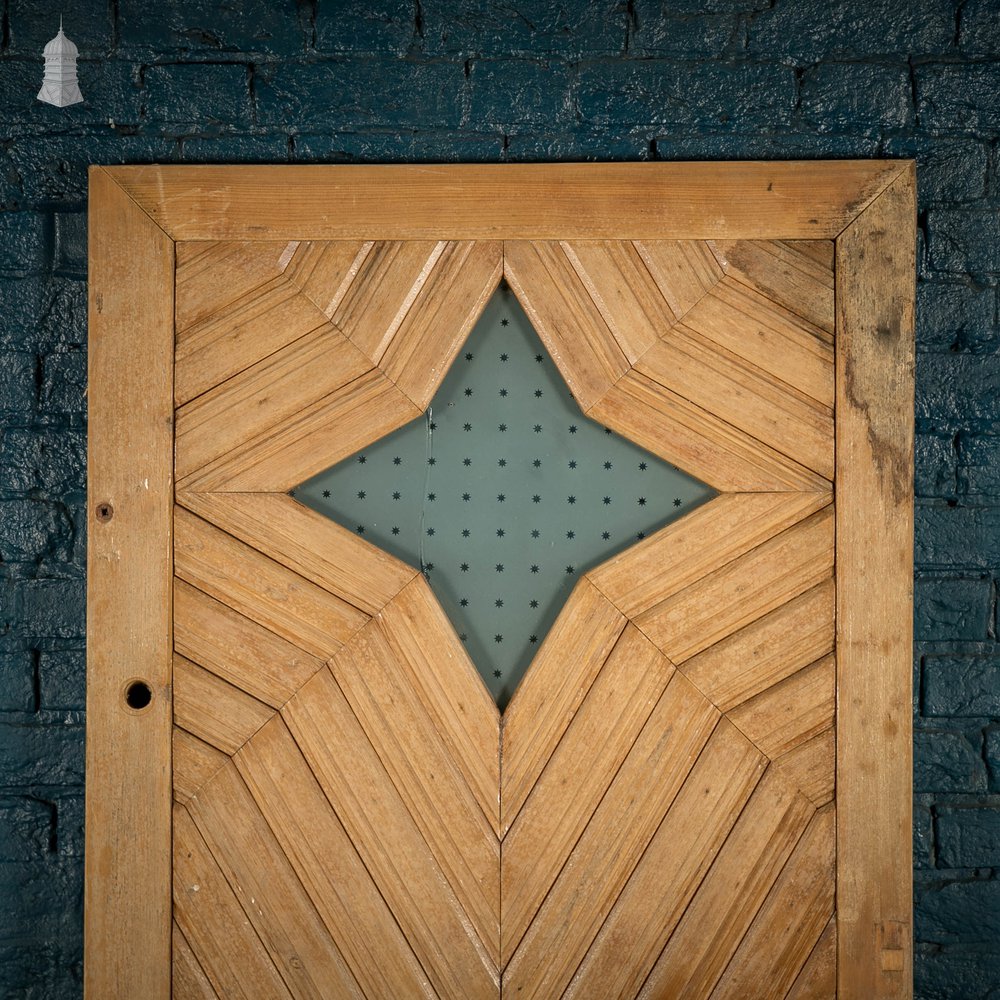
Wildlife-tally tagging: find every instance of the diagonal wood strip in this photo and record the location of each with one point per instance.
(576, 777)
(684, 270)
(194, 762)
(818, 978)
(425, 774)
(260, 589)
(811, 767)
(354, 781)
(241, 841)
(324, 271)
(618, 833)
(314, 546)
(329, 867)
(727, 900)
(212, 918)
(789, 923)
(188, 979)
(571, 655)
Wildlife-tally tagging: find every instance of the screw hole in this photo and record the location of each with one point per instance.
(104, 512)
(138, 695)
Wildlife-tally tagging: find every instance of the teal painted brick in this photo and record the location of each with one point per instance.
(27, 827)
(949, 170)
(394, 147)
(952, 609)
(576, 146)
(956, 973)
(198, 96)
(584, 29)
(964, 240)
(957, 910)
(957, 536)
(979, 464)
(70, 244)
(845, 96)
(18, 390)
(46, 608)
(35, 754)
(809, 31)
(376, 27)
(923, 833)
(51, 460)
(948, 761)
(519, 93)
(341, 94)
(991, 751)
(17, 683)
(271, 148)
(87, 23)
(659, 32)
(62, 680)
(958, 387)
(961, 686)
(935, 465)
(956, 315)
(201, 28)
(26, 244)
(661, 92)
(64, 382)
(31, 529)
(979, 36)
(959, 98)
(970, 838)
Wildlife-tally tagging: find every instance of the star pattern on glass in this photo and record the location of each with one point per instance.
(506, 491)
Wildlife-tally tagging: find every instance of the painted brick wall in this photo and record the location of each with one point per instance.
(452, 80)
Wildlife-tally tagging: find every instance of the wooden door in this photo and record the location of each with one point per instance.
(298, 785)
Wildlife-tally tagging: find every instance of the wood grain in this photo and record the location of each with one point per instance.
(818, 978)
(323, 272)
(565, 317)
(811, 767)
(329, 867)
(194, 762)
(684, 270)
(790, 922)
(576, 777)
(128, 606)
(308, 543)
(452, 692)
(237, 649)
(683, 201)
(875, 295)
(549, 695)
(799, 277)
(315, 438)
(696, 440)
(622, 826)
(392, 848)
(727, 900)
(686, 550)
(260, 589)
(240, 839)
(189, 980)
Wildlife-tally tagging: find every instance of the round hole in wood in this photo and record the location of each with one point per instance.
(104, 512)
(138, 695)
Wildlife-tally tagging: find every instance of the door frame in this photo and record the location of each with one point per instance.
(137, 213)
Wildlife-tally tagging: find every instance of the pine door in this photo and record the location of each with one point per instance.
(298, 783)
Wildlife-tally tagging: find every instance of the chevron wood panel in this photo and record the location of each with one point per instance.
(364, 820)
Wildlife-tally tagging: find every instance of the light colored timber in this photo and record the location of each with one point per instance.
(240, 839)
(688, 549)
(213, 710)
(385, 280)
(768, 336)
(443, 312)
(212, 275)
(789, 923)
(792, 711)
(194, 763)
(811, 766)
(743, 590)
(684, 270)
(636, 311)
(314, 439)
(212, 917)
(324, 271)
(745, 396)
(238, 650)
(239, 334)
(576, 777)
(875, 295)
(394, 852)
(767, 650)
(620, 830)
(727, 900)
(128, 608)
(791, 274)
(306, 542)
(818, 978)
(451, 690)
(577, 646)
(697, 440)
(327, 863)
(565, 317)
(189, 980)
(426, 776)
(260, 589)
(680, 201)
(265, 395)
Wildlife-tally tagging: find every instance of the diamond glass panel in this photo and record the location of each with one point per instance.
(503, 493)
